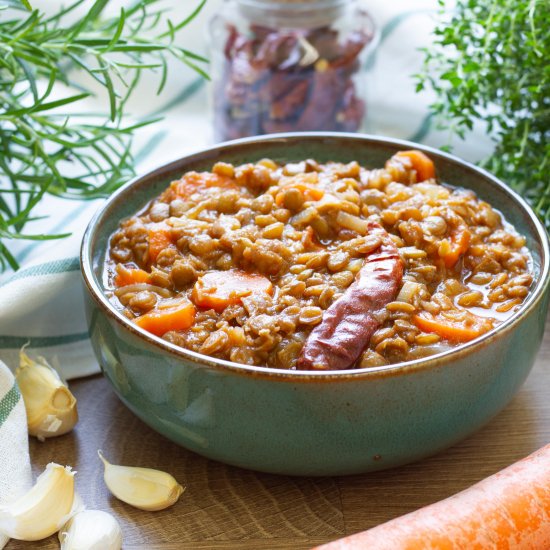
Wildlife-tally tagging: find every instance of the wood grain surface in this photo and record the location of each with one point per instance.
(228, 508)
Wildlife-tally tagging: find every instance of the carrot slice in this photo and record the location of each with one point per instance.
(160, 321)
(460, 241)
(309, 192)
(194, 182)
(509, 509)
(423, 165)
(454, 331)
(219, 289)
(128, 276)
(160, 237)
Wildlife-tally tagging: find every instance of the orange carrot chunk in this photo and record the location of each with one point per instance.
(219, 289)
(196, 182)
(160, 321)
(423, 165)
(510, 509)
(454, 331)
(160, 237)
(309, 192)
(128, 276)
(460, 241)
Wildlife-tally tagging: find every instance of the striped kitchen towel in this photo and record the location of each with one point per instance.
(15, 468)
(42, 303)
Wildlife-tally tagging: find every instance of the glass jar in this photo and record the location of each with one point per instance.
(287, 65)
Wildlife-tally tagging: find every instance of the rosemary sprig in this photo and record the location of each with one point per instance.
(43, 148)
(489, 63)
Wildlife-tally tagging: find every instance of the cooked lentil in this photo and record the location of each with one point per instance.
(288, 241)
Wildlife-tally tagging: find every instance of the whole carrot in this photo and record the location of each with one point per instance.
(509, 510)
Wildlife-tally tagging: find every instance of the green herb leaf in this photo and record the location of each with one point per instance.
(489, 63)
(46, 150)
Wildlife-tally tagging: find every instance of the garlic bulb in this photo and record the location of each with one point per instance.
(142, 488)
(91, 530)
(41, 511)
(51, 407)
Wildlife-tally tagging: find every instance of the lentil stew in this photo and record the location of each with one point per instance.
(315, 266)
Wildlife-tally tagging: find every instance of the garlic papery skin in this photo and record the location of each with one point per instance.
(51, 407)
(143, 488)
(91, 530)
(41, 511)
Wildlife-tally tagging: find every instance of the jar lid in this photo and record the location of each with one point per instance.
(272, 3)
(293, 13)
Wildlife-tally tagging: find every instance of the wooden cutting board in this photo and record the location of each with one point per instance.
(229, 508)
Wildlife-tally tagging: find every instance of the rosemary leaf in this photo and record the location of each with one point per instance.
(44, 150)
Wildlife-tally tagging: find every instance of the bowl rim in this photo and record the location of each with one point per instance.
(97, 293)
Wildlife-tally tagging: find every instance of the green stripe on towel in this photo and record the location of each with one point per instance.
(17, 342)
(49, 268)
(8, 402)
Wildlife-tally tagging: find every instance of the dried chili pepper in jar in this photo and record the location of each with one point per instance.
(287, 65)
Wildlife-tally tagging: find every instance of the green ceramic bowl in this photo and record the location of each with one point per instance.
(314, 423)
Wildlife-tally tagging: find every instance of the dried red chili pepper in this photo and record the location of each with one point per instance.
(348, 324)
(288, 78)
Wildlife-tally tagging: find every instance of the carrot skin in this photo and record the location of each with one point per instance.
(126, 277)
(159, 237)
(453, 332)
(219, 289)
(308, 191)
(460, 241)
(196, 182)
(161, 321)
(423, 164)
(508, 510)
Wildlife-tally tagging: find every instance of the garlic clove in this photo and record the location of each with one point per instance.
(51, 407)
(142, 488)
(41, 511)
(91, 530)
